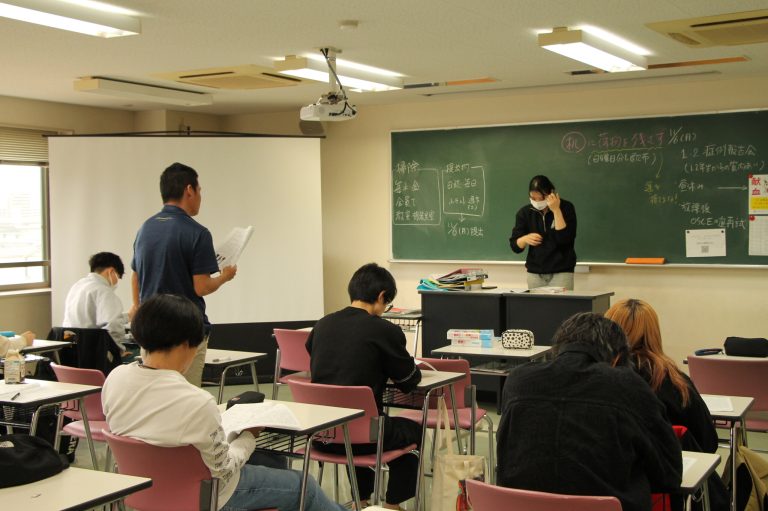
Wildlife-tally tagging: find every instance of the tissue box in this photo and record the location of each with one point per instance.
(470, 337)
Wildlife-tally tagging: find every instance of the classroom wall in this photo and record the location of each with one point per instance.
(697, 307)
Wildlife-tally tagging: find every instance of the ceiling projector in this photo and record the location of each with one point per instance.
(330, 107)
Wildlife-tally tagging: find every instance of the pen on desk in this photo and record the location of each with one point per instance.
(222, 359)
(15, 396)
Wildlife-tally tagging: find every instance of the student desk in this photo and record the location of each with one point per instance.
(740, 407)
(229, 359)
(45, 346)
(74, 489)
(695, 476)
(313, 419)
(419, 398)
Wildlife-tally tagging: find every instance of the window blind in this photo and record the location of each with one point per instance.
(19, 145)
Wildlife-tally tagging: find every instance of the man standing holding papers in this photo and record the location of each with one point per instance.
(174, 254)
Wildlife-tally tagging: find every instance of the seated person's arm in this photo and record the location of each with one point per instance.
(399, 364)
(205, 284)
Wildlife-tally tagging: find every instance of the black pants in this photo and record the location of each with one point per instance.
(403, 471)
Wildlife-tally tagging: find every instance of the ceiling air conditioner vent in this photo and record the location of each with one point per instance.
(232, 78)
(733, 29)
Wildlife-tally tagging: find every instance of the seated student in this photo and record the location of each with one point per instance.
(356, 347)
(684, 405)
(16, 342)
(92, 302)
(585, 423)
(153, 402)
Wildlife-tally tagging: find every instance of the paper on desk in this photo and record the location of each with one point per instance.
(688, 463)
(228, 252)
(718, 403)
(257, 415)
(9, 390)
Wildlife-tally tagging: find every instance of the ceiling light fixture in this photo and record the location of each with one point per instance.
(68, 16)
(142, 92)
(357, 80)
(585, 47)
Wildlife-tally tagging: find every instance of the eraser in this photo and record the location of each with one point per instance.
(645, 260)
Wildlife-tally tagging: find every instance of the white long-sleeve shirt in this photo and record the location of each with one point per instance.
(92, 303)
(160, 407)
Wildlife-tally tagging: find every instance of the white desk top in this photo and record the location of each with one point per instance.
(43, 346)
(434, 379)
(740, 405)
(314, 417)
(229, 357)
(73, 489)
(495, 352)
(38, 392)
(703, 465)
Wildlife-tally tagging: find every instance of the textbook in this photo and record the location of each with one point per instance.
(547, 290)
(257, 415)
(228, 252)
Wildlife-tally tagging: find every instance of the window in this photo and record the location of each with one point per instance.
(23, 209)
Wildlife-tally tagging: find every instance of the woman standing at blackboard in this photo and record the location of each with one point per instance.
(547, 226)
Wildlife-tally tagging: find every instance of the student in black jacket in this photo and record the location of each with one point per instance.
(578, 425)
(547, 226)
(355, 346)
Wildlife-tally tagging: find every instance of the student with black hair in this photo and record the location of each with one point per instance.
(153, 402)
(91, 301)
(586, 423)
(356, 346)
(547, 227)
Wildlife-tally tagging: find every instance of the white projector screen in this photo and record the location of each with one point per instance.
(103, 188)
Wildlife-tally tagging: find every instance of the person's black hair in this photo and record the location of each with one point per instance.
(103, 260)
(165, 321)
(541, 184)
(596, 330)
(175, 179)
(370, 280)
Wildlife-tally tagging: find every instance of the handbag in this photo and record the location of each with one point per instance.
(517, 339)
(746, 347)
(25, 459)
(450, 470)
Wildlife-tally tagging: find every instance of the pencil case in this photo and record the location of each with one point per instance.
(517, 339)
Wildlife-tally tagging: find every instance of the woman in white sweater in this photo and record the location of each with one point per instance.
(154, 403)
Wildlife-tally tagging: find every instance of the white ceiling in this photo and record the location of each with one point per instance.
(425, 40)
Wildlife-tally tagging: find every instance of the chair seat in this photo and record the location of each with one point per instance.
(465, 417)
(360, 460)
(302, 375)
(77, 429)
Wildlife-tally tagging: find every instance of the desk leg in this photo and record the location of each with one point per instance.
(305, 472)
(36, 418)
(351, 465)
(455, 418)
(222, 379)
(705, 496)
(420, 477)
(253, 375)
(734, 450)
(416, 339)
(88, 436)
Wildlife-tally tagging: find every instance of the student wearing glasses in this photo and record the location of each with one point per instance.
(356, 346)
(547, 227)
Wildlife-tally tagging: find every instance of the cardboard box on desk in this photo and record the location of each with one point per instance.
(470, 337)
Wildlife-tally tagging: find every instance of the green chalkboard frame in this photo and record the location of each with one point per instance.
(638, 184)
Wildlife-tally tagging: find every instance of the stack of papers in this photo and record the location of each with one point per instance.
(454, 281)
(228, 252)
(718, 403)
(547, 290)
(257, 415)
(7, 391)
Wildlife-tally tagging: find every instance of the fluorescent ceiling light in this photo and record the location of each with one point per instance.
(142, 92)
(585, 47)
(358, 80)
(72, 17)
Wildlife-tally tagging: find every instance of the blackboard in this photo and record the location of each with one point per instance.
(638, 186)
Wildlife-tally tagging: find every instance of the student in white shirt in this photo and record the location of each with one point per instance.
(16, 342)
(153, 402)
(92, 302)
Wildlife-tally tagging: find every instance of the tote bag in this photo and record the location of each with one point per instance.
(450, 470)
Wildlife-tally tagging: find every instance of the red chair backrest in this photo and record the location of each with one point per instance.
(339, 396)
(67, 374)
(453, 365)
(293, 350)
(732, 377)
(176, 473)
(486, 497)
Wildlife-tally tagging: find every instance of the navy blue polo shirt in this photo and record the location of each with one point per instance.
(169, 249)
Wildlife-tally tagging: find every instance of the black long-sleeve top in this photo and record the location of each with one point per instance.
(556, 253)
(352, 347)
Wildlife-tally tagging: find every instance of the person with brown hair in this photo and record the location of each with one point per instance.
(675, 390)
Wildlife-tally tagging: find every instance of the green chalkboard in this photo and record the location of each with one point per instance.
(642, 187)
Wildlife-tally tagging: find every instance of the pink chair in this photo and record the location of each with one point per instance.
(486, 497)
(95, 414)
(735, 376)
(469, 413)
(291, 355)
(360, 430)
(180, 479)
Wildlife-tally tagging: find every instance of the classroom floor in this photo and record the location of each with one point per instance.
(83, 459)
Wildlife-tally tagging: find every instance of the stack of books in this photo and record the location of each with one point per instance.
(461, 279)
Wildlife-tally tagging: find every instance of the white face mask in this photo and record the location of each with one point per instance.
(117, 280)
(539, 204)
